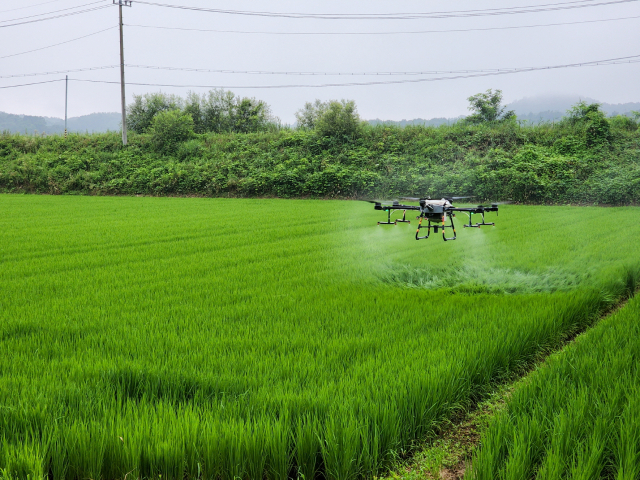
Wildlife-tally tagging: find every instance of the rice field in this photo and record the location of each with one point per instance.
(576, 417)
(248, 338)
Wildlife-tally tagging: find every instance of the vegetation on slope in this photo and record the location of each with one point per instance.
(586, 159)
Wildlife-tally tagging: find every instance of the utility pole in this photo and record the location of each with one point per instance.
(66, 95)
(120, 3)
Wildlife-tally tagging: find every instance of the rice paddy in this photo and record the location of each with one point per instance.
(248, 338)
(578, 416)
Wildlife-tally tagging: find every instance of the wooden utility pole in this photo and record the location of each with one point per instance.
(66, 94)
(121, 3)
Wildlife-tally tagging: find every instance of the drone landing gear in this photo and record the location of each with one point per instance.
(478, 225)
(418, 237)
(389, 222)
(452, 226)
(435, 229)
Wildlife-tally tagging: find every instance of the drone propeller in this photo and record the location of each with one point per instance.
(460, 198)
(384, 202)
(495, 204)
(413, 199)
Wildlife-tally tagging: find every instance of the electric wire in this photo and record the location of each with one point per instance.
(34, 83)
(622, 60)
(395, 73)
(611, 61)
(55, 11)
(56, 16)
(57, 72)
(374, 15)
(408, 32)
(400, 16)
(56, 44)
(29, 6)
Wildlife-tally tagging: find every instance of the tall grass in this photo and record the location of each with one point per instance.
(576, 417)
(200, 338)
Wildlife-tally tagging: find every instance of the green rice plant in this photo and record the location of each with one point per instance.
(584, 401)
(22, 461)
(227, 338)
(307, 447)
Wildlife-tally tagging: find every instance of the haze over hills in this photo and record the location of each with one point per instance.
(554, 107)
(93, 123)
(533, 109)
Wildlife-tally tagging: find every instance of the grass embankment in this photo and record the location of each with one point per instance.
(213, 338)
(550, 163)
(576, 417)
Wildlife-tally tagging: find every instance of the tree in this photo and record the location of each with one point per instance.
(222, 111)
(215, 111)
(487, 107)
(144, 108)
(308, 115)
(331, 119)
(250, 115)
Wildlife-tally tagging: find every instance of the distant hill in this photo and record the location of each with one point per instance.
(554, 107)
(433, 122)
(562, 103)
(93, 123)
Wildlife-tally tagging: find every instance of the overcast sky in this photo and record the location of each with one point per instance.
(400, 52)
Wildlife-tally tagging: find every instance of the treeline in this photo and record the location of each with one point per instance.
(218, 111)
(218, 145)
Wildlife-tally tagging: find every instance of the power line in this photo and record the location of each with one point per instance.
(56, 16)
(457, 30)
(373, 15)
(612, 61)
(34, 83)
(57, 72)
(29, 6)
(402, 16)
(352, 84)
(56, 44)
(49, 13)
(266, 72)
(459, 74)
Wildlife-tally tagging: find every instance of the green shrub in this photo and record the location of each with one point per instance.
(169, 129)
(141, 112)
(190, 150)
(597, 130)
(623, 122)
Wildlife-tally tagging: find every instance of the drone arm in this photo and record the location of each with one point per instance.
(479, 209)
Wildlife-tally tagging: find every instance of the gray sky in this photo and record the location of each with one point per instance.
(489, 49)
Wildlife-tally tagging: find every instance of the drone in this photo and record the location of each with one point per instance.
(435, 212)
